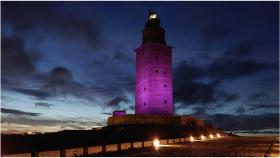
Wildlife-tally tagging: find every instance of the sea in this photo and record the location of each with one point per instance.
(272, 132)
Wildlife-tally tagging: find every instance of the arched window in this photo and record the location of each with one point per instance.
(156, 70)
(165, 85)
(165, 102)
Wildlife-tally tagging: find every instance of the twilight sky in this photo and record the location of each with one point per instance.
(67, 65)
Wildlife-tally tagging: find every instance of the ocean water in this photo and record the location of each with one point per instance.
(273, 132)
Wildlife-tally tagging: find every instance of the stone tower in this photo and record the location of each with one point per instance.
(154, 89)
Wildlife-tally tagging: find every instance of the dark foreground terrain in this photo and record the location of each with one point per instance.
(225, 146)
(13, 144)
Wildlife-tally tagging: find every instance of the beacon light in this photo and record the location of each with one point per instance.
(153, 16)
(156, 143)
(211, 136)
(191, 138)
(202, 137)
(218, 135)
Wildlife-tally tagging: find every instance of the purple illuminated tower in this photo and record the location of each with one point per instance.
(154, 89)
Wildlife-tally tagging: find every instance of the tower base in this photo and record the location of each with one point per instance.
(183, 120)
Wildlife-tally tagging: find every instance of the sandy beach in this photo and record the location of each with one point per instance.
(233, 146)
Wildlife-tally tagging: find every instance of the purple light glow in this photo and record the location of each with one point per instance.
(119, 113)
(154, 89)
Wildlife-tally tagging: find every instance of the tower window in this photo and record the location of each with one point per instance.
(144, 103)
(164, 72)
(144, 88)
(156, 57)
(165, 85)
(156, 71)
(165, 102)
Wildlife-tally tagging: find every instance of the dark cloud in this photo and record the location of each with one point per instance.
(200, 85)
(261, 101)
(199, 111)
(216, 32)
(16, 60)
(96, 63)
(116, 101)
(60, 76)
(24, 17)
(88, 122)
(38, 94)
(18, 112)
(259, 97)
(240, 110)
(43, 105)
(231, 97)
(114, 83)
(239, 120)
(230, 69)
(251, 108)
(242, 49)
(122, 57)
(106, 113)
(195, 93)
(190, 88)
(187, 72)
(131, 107)
(186, 87)
(242, 122)
(226, 96)
(264, 106)
(61, 82)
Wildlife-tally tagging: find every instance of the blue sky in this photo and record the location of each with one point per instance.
(66, 65)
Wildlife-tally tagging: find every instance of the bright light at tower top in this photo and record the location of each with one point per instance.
(152, 16)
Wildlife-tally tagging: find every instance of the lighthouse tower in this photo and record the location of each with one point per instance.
(154, 89)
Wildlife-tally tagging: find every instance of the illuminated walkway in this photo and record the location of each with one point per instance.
(226, 146)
